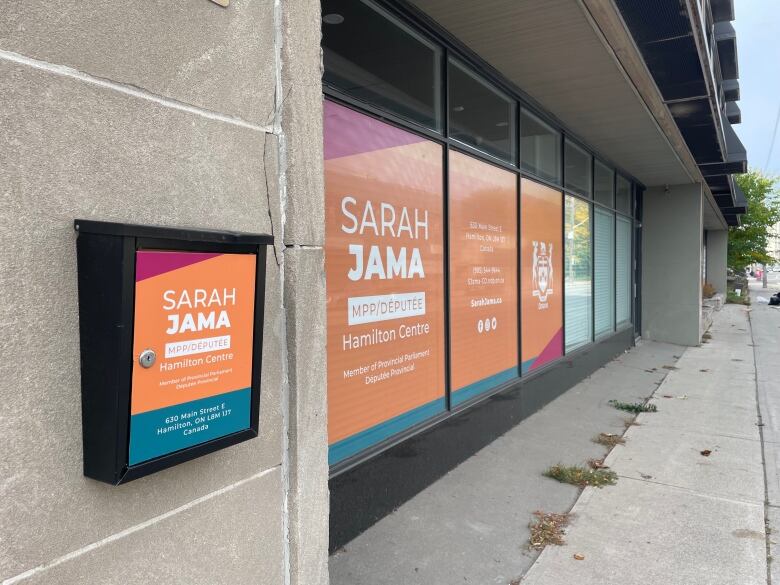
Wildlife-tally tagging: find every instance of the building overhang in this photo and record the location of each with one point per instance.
(736, 156)
(577, 60)
(726, 37)
(722, 10)
(532, 43)
(731, 90)
(733, 113)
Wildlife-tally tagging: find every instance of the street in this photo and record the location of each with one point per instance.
(765, 324)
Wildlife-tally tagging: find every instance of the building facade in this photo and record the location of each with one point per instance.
(474, 205)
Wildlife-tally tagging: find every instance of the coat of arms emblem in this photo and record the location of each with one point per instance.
(542, 274)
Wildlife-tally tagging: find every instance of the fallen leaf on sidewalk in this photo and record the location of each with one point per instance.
(645, 476)
(704, 370)
(670, 367)
(667, 396)
(706, 452)
(579, 557)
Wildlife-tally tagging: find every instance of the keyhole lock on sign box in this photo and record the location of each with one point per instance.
(147, 358)
(171, 330)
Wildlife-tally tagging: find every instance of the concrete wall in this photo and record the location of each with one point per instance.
(717, 250)
(170, 113)
(671, 264)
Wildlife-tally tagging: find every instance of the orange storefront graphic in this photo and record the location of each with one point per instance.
(542, 274)
(483, 276)
(384, 273)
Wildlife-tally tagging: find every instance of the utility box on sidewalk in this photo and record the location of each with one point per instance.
(171, 328)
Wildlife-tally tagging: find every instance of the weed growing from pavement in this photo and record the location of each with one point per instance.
(547, 529)
(731, 297)
(608, 439)
(635, 407)
(581, 476)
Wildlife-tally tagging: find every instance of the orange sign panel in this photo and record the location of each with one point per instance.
(483, 276)
(385, 283)
(193, 330)
(542, 274)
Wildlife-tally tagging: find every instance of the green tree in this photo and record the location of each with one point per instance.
(748, 241)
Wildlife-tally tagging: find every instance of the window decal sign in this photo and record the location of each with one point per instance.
(483, 276)
(385, 280)
(193, 329)
(541, 277)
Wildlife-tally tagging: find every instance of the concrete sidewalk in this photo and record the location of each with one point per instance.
(677, 516)
(471, 526)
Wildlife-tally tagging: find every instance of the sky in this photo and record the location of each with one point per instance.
(757, 24)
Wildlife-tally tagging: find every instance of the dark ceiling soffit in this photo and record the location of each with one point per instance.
(665, 37)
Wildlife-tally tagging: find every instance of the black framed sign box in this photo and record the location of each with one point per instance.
(171, 328)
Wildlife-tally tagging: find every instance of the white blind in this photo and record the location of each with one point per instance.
(604, 270)
(623, 267)
(578, 317)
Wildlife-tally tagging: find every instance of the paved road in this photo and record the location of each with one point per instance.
(765, 324)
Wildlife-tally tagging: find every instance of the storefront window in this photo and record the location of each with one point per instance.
(541, 284)
(603, 184)
(623, 195)
(483, 276)
(578, 321)
(623, 268)
(604, 270)
(540, 148)
(373, 57)
(384, 265)
(576, 173)
(480, 116)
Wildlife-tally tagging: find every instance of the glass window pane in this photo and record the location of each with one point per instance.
(578, 317)
(604, 270)
(483, 276)
(623, 268)
(480, 115)
(542, 272)
(384, 265)
(540, 148)
(576, 173)
(604, 184)
(623, 195)
(373, 57)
